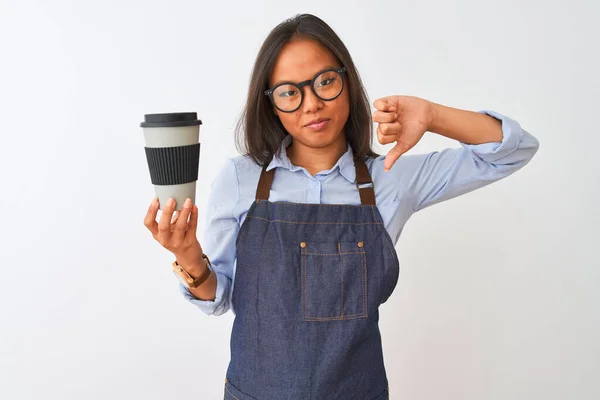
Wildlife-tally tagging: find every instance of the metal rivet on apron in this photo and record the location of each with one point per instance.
(303, 244)
(360, 244)
(226, 380)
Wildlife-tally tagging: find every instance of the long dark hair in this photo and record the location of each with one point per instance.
(259, 132)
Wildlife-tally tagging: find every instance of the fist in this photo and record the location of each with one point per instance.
(403, 120)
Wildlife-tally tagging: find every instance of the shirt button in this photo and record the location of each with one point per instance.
(303, 244)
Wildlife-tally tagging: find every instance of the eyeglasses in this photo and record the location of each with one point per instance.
(326, 85)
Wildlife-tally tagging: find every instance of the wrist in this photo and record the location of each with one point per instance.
(194, 268)
(193, 275)
(435, 119)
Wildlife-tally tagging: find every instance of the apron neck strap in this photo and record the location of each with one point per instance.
(365, 186)
(264, 184)
(363, 183)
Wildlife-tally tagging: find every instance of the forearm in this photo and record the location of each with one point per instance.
(468, 127)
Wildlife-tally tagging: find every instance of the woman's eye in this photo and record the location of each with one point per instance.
(326, 82)
(287, 93)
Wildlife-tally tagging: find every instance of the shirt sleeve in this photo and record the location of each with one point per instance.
(220, 234)
(439, 176)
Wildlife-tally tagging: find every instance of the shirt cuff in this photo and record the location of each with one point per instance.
(209, 307)
(512, 135)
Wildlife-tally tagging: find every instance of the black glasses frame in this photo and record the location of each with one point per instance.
(310, 82)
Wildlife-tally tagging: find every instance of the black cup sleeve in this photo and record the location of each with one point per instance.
(173, 165)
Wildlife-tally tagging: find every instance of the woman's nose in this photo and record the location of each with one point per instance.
(311, 102)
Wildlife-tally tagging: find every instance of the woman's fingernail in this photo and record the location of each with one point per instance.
(171, 202)
(187, 203)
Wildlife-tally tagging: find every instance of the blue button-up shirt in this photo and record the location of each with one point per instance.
(413, 183)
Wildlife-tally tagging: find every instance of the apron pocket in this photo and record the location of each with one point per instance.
(334, 280)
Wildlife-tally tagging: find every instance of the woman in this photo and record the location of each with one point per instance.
(305, 222)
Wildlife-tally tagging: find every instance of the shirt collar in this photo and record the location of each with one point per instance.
(345, 163)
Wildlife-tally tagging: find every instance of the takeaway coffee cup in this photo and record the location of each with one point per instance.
(172, 144)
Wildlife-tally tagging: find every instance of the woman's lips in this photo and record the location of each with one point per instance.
(318, 125)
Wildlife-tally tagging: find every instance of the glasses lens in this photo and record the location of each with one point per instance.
(328, 85)
(287, 97)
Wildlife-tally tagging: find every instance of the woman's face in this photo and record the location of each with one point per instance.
(299, 61)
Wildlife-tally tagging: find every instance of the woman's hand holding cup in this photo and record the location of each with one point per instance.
(177, 233)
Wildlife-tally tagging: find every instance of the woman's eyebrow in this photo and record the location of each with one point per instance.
(328, 66)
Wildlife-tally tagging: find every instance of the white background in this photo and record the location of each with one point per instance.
(498, 295)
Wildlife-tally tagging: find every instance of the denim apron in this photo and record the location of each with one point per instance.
(308, 285)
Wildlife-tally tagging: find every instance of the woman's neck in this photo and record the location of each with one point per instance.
(316, 159)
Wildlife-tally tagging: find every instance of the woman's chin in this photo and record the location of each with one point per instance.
(321, 139)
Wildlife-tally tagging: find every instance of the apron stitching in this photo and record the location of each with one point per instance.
(341, 317)
(315, 223)
(304, 282)
(363, 272)
(342, 279)
(243, 228)
(232, 395)
(335, 254)
(365, 286)
(384, 237)
(241, 238)
(288, 203)
(345, 317)
(387, 241)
